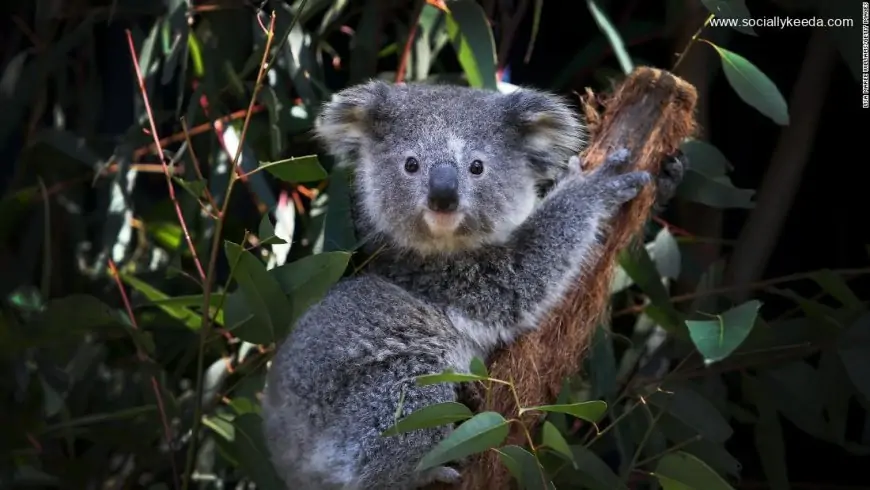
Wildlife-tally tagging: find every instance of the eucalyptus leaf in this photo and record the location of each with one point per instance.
(694, 410)
(484, 431)
(252, 453)
(753, 86)
(717, 339)
(854, 349)
(473, 41)
(555, 441)
(448, 377)
(596, 474)
(716, 192)
(591, 411)
(612, 35)
(430, 416)
(296, 169)
(264, 298)
(682, 471)
(705, 158)
(266, 232)
(525, 468)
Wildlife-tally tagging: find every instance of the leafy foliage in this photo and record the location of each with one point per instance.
(139, 354)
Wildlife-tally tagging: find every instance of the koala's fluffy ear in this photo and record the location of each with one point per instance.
(548, 127)
(351, 116)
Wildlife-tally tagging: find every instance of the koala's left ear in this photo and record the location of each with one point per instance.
(549, 129)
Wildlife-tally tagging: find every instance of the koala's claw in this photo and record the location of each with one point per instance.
(670, 176)
(626, 187)
(615, 161)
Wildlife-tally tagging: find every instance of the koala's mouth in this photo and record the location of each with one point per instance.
(442, 223)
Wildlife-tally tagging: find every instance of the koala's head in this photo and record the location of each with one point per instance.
(440, 168)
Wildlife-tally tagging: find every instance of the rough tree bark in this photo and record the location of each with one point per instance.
(650, 113)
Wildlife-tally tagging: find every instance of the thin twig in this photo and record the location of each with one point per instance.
(412, 33)
(160, 154)
(215, 248)
(196, 167)
(757, 285)
(691, 42)
(144, 357)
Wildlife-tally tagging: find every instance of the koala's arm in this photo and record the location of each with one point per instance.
(559, 241)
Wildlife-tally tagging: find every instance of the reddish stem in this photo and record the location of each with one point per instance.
(159, 149)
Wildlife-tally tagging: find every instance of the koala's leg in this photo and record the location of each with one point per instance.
(560, 239)
(389, 461)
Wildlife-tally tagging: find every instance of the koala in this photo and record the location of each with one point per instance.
(467, 256)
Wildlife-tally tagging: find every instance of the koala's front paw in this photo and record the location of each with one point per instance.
(611, 185)
(440, 474)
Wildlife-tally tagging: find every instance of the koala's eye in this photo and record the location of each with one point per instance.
(476, 167)
(411, 165)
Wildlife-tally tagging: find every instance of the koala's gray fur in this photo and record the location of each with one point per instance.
(432, 299)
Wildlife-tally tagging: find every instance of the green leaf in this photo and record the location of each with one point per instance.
(536, 25)
(834, 285)
(167, 234)
(690, 441)
(338, 228)
(195, 188)
(52, 400)
(716, 192)
(296, 169)
(836, 392)
(753, 86)
(189, 318)
(591, 411)
(682, 471)
(794, 389)
(472, 38)
(448, 377)
(602, 365)
(73, 146)
(308, 279)
(553, 439)
(484, 431)
(769, 441)
(431, 416)
(639, 266)
(478, 368)
(266, 232)
(612, 35)
(590, 54)
(694, 410)
(731, 9)
(854, 349)
(264, 298)
(190, 300)
(705, 158)
(251, 451)
(666, 254)
(221, 426)
(717, 339)
(597, 475)
(524, 467)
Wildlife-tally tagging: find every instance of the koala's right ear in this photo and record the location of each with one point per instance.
(350, 117)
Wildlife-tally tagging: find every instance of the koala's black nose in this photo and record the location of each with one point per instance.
(443, 188)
